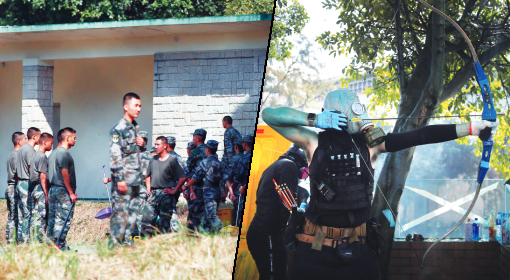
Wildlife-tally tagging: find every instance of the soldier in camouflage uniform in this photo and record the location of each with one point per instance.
(61, 194)
(39, 182)
(18, 139)
(207, 177)
(171, 150)
(230, 138)
(126, 172)
(237, 211)
(145, 158)
(195, 207)
(243, 167)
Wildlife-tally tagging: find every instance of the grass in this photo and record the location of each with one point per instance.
(168, 256)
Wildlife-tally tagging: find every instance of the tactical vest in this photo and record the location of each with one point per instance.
(340, 180)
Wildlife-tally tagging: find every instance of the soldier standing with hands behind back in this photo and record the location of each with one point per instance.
(126, 174)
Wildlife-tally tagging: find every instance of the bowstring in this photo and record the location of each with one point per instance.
(393, 213)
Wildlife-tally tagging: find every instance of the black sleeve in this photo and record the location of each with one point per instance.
(421, 136)
(289, 174)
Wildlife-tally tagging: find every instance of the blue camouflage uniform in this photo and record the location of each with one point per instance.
(195, 207)
(240, 175)
(208, 175)
(230, 138)
(237, 211)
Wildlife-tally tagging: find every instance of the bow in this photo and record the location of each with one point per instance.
(488, 113)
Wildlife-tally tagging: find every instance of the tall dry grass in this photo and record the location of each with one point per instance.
(168, 256)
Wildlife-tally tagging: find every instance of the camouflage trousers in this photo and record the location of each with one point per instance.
(38, 213)
(237, 212)
(11, 197)
(212, 222)
(190, 207)
(142, 212)
(159, 204)
(125, 210)
(60, 207)
(24, 211)
(196, 211)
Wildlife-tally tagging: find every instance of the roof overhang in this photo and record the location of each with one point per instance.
(135, 28)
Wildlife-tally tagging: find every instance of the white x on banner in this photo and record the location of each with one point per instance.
(455, 206)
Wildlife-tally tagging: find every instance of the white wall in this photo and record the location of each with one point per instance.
(11, 87)
(90, 94)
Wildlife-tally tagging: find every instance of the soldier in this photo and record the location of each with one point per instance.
(153, 151)
(18, 139)
(145, 158)
(231, 136)
(62, 194)
(194, 158)
(171, 150)
(164, 178)
(207, 179)
(25, 154)
(243, 168)
(191, 147)
(126, 174)
(39, 183)
(231, 171)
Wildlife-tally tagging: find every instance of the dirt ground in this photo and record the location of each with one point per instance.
(85, 228)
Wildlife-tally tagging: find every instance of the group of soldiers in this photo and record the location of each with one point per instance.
(146, 183)
(40, 190)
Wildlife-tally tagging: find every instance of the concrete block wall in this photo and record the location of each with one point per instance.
(37, 102)
(197, 89)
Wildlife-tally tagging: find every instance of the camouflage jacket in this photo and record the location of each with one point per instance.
(179, 160)
(210, 172)
(195, 157)
(123, 153)
(233, 164)
(231, 136)
(145, 158)
(242, 169)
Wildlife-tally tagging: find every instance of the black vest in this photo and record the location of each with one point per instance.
(337, 164)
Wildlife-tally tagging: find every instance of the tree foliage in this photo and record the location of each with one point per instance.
(296, 82)
(389, 39)
(33, 12)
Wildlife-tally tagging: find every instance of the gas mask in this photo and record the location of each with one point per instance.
(347, 102)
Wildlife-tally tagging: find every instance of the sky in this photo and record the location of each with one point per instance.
(322, 20)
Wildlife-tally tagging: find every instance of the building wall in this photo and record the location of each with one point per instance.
(197, 89)
(11, 88)
(90, 94)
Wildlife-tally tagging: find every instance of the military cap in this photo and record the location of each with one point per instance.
(239, 142)
(212, 144)
(200, 132)
(191, 145)
(143, 134)
(170, 140)
(248, 138)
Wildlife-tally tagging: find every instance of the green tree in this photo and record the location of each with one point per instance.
(424, 68)
(296, 82)
(289, 19)
(33, 12)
